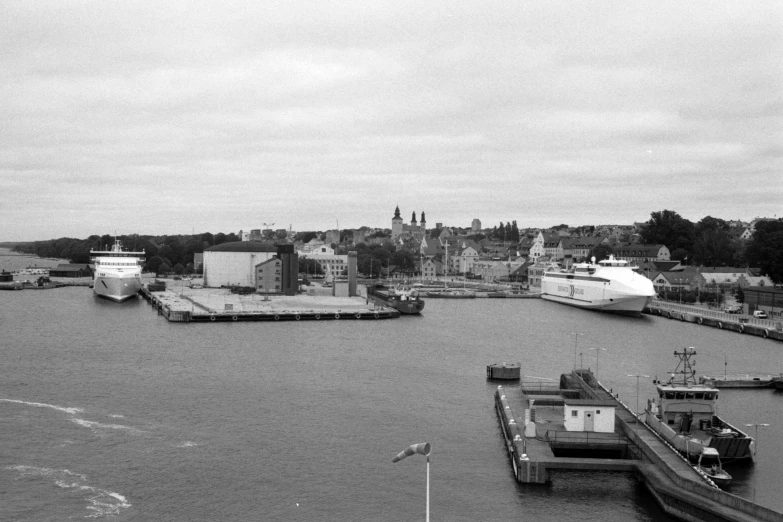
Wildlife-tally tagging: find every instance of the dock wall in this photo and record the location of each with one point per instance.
(716, 319)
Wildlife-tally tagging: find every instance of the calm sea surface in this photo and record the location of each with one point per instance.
(109, 411)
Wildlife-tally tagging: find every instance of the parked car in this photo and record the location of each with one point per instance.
(733, 309)
(760, 314)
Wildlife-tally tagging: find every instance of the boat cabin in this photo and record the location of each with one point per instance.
(683, 406)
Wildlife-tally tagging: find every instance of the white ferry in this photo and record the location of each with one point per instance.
(117, 272)
(610, 285)
(686, 415)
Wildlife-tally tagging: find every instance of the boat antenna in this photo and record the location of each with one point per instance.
(685, 367)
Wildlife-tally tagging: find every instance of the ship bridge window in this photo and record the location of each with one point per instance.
(669, 395)
(699, 395)
(679, 395)
(689, 395)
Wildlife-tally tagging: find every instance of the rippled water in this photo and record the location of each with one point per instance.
(107, 410)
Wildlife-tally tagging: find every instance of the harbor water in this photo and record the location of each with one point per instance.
(109, 411)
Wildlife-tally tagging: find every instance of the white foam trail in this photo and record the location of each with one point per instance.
(102, 502)
(71, 411)
(37, 471)
(186, 444)
(99, 425)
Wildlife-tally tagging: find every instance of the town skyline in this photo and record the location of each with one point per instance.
(147, 118)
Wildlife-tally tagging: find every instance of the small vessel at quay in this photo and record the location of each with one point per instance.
(401, 297)
(686, 416)
(610, 285)
(710, 465)
(117, 272)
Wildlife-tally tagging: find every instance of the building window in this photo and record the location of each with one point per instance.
(574, 413)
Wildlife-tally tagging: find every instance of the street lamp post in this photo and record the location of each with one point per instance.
(637, 390)
(756, 425)
(597, 351)
(576, 341)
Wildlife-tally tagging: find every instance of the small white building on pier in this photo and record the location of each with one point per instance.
(589, 415)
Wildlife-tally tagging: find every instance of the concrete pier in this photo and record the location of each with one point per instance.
(680, 490)
(220, 305)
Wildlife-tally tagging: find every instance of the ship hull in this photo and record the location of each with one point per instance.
(117, 288)
(407, 306)
(618, 304)
(730, 449)
(599, 292)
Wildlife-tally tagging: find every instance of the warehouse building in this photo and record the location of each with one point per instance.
(270, 269)
(234, 263)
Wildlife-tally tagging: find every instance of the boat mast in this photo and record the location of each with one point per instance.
(685, 367)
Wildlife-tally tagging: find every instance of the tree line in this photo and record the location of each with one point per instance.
(708, 242)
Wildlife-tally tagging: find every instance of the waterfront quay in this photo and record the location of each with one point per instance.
(532, 422)
(221, 305)
(733, 322)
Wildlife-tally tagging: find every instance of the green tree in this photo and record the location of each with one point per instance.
(154, 263)
(712, 246)
(765, 249)
(178, 269)
(600, 252)
(668, 228)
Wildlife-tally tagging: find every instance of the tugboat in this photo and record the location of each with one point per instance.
(686, 416)
(401, 297)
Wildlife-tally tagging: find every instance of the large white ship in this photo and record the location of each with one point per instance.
(117, 272)
(610, 285)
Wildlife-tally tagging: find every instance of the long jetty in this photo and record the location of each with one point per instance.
(680, 490)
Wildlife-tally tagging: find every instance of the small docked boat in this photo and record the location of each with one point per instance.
(686, 415)
(401, 297)
(709, 463)
(777, 382)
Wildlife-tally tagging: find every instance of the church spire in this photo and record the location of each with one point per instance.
(397, 212)
(413, 218)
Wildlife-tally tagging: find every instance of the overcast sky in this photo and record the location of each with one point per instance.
(173, 117)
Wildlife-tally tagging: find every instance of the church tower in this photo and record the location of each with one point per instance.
(396, 224)
(423, 222)
(413, 219)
